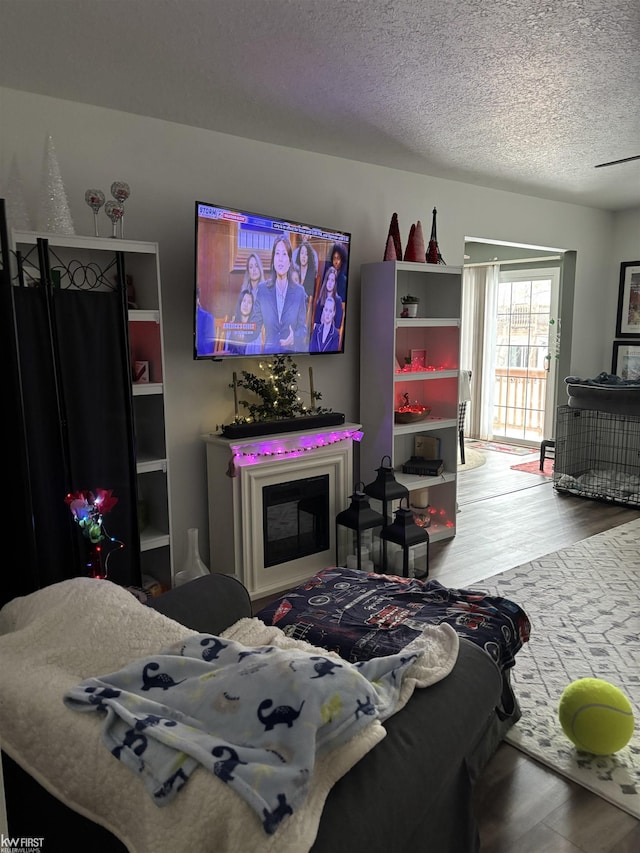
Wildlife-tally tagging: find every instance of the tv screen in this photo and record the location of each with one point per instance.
(267, 285)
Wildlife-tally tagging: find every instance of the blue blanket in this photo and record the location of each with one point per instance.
(256, 717)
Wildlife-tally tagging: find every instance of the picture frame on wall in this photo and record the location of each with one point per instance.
(626, 360)
(628, 320)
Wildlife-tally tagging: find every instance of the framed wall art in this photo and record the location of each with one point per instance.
(628, 321)
(626, 360)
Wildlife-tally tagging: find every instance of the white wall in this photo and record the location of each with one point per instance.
(169, 166)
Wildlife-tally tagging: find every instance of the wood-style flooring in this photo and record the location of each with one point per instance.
(507, 518)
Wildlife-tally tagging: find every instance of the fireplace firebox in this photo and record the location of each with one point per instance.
(295, 519)
(273, 501)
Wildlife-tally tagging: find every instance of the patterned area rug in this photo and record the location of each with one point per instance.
(472, 459)
(585, 622)
(534, 467)
(500, 448)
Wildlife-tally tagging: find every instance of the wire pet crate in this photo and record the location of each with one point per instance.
(598, 455)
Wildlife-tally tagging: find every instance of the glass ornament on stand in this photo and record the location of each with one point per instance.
(95, 200)
(115, 212)
(121, 191)
(193, 567)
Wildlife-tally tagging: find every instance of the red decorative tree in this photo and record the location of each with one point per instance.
(409, 252)
(433, 252)
(418, 238)
(415, 245)
(394, 233)
(390, 251)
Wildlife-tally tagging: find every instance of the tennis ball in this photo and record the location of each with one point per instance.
(596, 716)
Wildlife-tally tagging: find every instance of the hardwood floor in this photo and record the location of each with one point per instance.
(507, 518)
(510, 517)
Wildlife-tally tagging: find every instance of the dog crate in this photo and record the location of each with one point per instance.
(597, 455)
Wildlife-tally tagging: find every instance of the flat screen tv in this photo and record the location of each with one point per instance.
(267, 285)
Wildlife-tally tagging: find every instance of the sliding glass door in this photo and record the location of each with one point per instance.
(527, 338)
(510, 340)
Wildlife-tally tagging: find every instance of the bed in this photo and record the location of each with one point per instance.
(404, 785)
(604, 393)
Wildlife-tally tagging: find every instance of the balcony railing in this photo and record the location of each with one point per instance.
(519, 403)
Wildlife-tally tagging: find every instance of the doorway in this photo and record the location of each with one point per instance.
(524, 361)
(511, 341)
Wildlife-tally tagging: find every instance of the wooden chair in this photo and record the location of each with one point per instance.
(462, 411)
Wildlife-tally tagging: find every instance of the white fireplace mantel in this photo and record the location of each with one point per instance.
(237, 472)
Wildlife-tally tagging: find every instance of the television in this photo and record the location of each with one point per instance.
(265, 285)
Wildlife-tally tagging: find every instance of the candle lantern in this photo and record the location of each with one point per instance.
(386, 489)
(410, 538)
(361, 519)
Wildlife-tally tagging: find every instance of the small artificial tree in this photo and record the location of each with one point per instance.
(278, 390)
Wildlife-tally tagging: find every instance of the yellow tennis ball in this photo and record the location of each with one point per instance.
(596, 716)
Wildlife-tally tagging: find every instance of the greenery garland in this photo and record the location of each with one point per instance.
(279, 393)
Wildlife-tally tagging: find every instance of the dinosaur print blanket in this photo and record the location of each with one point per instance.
(256, 716)
(67, 633)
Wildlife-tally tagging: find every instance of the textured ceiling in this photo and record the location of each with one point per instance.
(522, 95)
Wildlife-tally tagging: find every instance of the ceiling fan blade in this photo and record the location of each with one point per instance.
(615, 162)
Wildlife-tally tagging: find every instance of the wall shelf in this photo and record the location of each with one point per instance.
(387, 340)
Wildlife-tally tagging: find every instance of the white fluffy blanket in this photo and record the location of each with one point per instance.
(67, 632)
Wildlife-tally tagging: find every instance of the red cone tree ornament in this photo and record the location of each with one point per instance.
(433, 252)
(390, 251)
(418, 239)
(394, 233)
(410, 248)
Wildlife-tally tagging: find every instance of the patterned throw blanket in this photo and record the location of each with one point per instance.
(66, 633)
(256, 717)
(361, 615)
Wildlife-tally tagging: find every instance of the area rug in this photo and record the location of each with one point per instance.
(534, 467)
(585, 622)
(472, 459)
(500, 448)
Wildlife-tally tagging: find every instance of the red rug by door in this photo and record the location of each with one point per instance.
(534, 467)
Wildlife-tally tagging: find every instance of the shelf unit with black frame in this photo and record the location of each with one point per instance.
(86, 424)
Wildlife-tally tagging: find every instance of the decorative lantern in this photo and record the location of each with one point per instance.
(358, 517)
(404, 533)
(386, 489)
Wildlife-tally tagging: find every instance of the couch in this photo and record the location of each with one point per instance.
(412, 791)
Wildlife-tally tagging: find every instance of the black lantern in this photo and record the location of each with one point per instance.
(386, 488)
(405, 533)
(357, 517)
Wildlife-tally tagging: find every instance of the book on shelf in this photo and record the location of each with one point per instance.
(423, 467)
(426, 446)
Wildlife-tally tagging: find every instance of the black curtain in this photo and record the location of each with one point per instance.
(72, 398)
(18, 570)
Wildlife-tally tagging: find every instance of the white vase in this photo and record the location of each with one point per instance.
(193, 567)
(412, 309)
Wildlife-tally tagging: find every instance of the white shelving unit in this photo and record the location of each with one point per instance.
(387, 340)
(141, 262)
